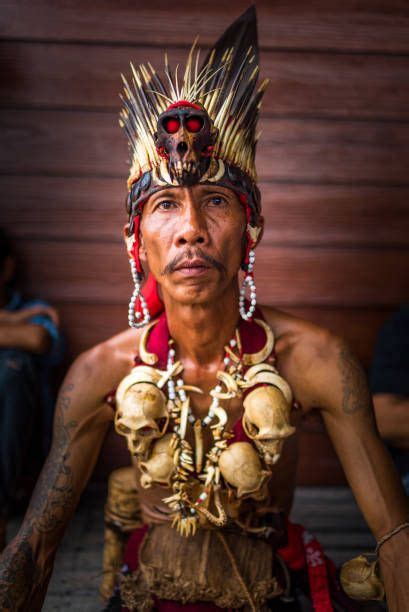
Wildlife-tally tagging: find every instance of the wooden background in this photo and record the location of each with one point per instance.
(333, 159)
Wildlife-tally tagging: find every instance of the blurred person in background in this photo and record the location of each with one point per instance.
(390, 388)
(30, 346)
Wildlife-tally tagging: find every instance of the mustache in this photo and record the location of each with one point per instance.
(198, 253)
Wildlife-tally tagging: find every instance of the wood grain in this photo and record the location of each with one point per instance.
(87, 144)
(98, 272)
(367, 25)
(75, 208)
(301, 84)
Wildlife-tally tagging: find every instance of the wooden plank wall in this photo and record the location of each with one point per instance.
(333, 158)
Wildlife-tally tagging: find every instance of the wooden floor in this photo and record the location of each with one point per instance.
(330, 513)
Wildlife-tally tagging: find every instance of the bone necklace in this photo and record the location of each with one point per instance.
(236, 469)
(186, 512)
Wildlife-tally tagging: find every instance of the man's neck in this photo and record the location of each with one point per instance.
(200, 331)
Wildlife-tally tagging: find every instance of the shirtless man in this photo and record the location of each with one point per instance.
(193, 239)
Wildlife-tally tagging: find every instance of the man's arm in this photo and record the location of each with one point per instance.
(28, 337)
(17, 331)
(342, 393)
(392, 417)
(80, 424)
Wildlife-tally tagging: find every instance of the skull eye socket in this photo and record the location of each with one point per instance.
(252, 428)
(194, 124)
(122, 429)
(171, 125)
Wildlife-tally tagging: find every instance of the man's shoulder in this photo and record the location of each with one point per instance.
(300, 338)
(97, 371)
(308, 355)
(114, 353)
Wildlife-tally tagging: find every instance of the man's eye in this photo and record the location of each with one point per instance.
(166, 205)
(217, 201)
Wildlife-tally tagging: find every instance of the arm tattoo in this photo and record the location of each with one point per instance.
(19, 575)
(53, 498)
(54, 492)
(355, 392)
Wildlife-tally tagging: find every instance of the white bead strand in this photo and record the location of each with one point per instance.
(132, 315)
(248, 281)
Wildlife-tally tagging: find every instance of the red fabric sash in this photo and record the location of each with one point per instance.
(304, 550)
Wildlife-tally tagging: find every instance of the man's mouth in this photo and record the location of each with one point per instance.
(193, 266)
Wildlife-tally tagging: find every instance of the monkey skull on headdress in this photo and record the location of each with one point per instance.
(186, 138)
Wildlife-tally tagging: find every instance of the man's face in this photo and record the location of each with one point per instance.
(192, 239)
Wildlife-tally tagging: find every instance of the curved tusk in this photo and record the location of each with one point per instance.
(220, 414)
(209, 475)
(228, 381)
(139, 374)
(174, 371)
(206, 175)
(219, 174)
(261, 367)
(254, 358)
(191, 388)
(165, 173)
(184, 413)
(269, 378)
(222, 396)
(144, 354)
(156, 179)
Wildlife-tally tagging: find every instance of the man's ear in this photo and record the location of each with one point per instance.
(130, 241)
(256, 232)
(261, 226)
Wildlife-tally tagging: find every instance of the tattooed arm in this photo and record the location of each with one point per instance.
(80, 424)
(340, 390)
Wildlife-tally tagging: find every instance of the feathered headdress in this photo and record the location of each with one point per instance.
(199, 127)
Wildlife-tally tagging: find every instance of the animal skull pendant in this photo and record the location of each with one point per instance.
(361, 579)
(160, 466)
(241, 469)
(185, 136)
(141, 416)
(266, 420)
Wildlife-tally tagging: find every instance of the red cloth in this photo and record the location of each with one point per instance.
(151, 295)
(304, 550)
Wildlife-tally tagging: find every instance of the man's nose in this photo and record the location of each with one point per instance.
(192, 228)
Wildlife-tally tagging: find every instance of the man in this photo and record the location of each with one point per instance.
(213, 476)
(390, 388)
(29, 345)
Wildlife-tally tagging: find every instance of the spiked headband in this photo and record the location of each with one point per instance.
(199, 128)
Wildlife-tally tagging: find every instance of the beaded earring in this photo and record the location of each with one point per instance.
(248, 281)
(133, 315)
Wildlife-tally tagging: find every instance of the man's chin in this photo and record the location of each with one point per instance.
(193, 292)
